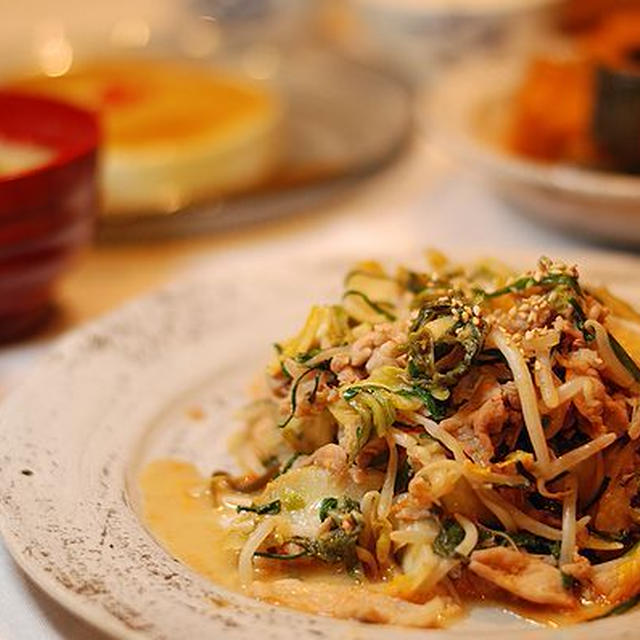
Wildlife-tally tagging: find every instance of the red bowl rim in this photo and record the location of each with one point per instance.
(63, 155)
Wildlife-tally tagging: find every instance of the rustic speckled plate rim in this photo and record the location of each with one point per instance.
(81, 542)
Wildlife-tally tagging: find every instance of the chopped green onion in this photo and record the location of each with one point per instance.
(294, 392)
(271, 508)
(375, 306)
(525, 282)
(581, 318)
(451, 534)
(280, 556)
(327, 505)
(624, 357)
(289, 463)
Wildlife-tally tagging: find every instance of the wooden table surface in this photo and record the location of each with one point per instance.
(109, 274)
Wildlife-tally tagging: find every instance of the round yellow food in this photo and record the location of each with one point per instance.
(174, 132)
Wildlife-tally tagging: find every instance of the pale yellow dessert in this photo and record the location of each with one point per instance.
(174, 132)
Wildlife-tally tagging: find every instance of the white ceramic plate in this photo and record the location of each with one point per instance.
(449, 8)
(468, 113)
(421, 35)
(115, 394)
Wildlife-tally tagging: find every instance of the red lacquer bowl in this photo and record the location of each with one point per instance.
(47, 211)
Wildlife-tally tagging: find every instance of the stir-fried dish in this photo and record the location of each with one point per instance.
(444, 437)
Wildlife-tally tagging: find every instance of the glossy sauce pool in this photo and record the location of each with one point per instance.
(179, 513)
(177, 508)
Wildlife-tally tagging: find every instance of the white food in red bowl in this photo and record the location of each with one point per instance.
(48, 202)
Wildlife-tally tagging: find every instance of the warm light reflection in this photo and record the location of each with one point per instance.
(131, 32)
(55, 55)
(261, 62)
(172, 198)
(200, 38)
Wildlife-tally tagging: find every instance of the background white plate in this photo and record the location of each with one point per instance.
(114, 395)
(444, 8)
(419, 36)
(468, 113)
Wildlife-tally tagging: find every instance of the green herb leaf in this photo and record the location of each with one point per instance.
(567, 581)
(415, 282)
(303, 357)
(312, 394)
(283, 368)
(537, 501)
(580, 319)
(285, 371)
(294, 392)
(271, 508)
(327, 505)
(352, 392)
(437, 362)
(280, 556)
(536, 544)
(403, 477)
(334, 547)
(624, 358)
(451, 534)
(523, 283)
(436, 408)
(367, 274)
(623, 536)
(288, 464)
(374, 305)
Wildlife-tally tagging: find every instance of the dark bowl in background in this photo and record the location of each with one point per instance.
(47, 213)
(616, 118)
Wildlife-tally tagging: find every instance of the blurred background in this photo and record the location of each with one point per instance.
(139, 135)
